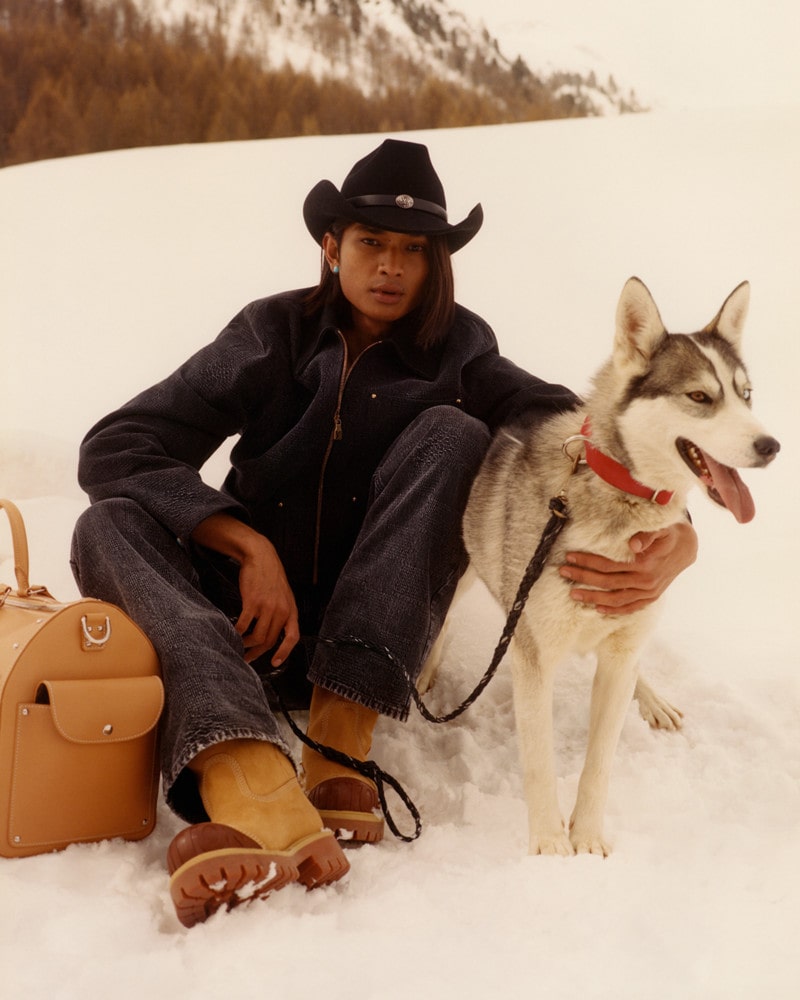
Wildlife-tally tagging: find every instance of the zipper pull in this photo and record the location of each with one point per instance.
(337, 427)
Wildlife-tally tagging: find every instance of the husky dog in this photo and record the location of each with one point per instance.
(668, 411)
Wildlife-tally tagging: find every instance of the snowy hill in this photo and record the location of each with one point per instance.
(117, 266)
(379, 44)
(678, 54)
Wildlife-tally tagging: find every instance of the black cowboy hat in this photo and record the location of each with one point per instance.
(394, 187)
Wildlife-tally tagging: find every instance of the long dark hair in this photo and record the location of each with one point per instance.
(437, 307)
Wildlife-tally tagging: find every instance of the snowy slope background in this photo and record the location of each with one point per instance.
(379, 44)
(678, 54)
(117, 266)
(340, 39)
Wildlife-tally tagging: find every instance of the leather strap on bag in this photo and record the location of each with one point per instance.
(19, 540)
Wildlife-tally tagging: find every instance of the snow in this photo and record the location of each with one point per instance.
(117, 266)
(320, 38)
(676, 54)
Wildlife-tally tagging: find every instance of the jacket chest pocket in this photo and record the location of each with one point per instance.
(386, 413)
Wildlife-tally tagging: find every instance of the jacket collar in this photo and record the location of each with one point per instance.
(402, 340)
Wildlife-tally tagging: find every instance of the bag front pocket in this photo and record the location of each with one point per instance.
(85, 762)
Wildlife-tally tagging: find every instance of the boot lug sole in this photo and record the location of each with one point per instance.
(353, 828)
(228, 877)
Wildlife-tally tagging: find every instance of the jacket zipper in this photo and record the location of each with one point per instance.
(336, 435)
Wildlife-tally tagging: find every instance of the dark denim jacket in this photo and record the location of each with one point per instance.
(310, 433)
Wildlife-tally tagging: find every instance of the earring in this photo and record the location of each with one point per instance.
(335, 268)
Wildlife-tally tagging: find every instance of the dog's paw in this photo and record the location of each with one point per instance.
(552, 843)
(590, 843)
(655, 710)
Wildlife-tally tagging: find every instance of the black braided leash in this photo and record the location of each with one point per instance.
(370, 769)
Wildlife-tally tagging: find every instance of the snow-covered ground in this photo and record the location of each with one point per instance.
(116, 266)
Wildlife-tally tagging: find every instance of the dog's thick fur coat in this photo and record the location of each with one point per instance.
(673, 409)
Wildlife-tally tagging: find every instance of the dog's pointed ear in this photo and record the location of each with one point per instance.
(640, 328)
(729, 321)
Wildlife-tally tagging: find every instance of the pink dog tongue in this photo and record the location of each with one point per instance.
(732, 490)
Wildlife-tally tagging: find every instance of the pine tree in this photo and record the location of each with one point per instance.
(50, 127)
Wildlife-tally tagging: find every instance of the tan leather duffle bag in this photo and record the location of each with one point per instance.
(80, 699)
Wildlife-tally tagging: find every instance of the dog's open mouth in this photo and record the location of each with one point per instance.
(723, 484)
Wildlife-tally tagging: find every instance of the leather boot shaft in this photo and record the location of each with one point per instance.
(252, 786)
(336, 722)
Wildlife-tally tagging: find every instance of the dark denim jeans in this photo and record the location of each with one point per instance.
(393, 591)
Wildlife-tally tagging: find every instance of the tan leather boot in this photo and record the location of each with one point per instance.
(263, 834)
(347, 802)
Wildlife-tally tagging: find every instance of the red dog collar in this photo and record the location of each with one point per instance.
(615, 474)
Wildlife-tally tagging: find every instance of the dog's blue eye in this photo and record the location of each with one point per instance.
(746, 394)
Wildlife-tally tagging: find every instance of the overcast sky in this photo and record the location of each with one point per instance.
(674, 53)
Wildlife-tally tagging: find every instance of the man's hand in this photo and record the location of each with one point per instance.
(269, 611)
(623, 587)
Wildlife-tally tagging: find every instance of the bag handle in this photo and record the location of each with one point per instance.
(19, 540)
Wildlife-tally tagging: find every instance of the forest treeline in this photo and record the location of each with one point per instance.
(81, 77)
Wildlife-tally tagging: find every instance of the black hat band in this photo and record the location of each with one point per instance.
(399, 201)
